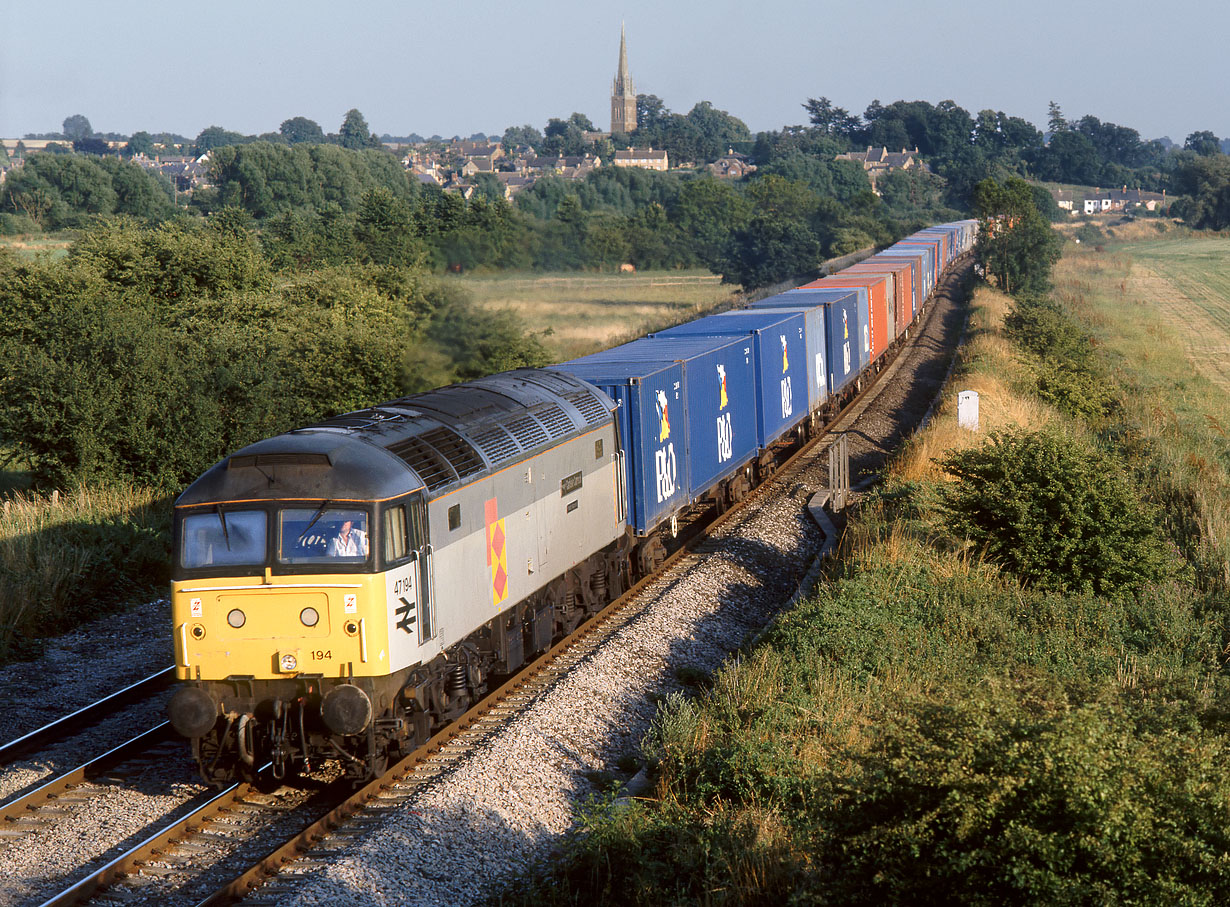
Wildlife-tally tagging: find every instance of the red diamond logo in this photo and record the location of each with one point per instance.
(497, 539)
(500, 581)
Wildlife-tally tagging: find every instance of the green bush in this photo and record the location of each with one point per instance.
(1007, 796)
(1067, 375)
(1055, 512)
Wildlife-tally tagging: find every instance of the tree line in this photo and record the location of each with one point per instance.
(150, 351)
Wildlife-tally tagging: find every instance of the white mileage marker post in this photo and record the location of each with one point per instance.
(967, 410)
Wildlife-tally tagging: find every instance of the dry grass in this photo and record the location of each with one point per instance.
(987, 365)
(64, 556)
(590, 312)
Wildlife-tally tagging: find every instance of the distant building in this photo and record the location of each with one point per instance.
(732, 165)
(1123, 199)
(1063, 199)
(623, 94)
(881, 160)
(642, 157)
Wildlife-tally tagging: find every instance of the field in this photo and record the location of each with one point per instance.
(1188, 282)
(589, 312)
(1159, 310)
(26, 246)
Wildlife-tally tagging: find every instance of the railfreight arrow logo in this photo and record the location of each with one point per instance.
(664, 419)
(497, 553)
(721, 370)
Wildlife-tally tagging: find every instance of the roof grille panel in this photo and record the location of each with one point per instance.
(557, 422)
(440, 457)
(528, 432)
(496, 443)
(590, 407)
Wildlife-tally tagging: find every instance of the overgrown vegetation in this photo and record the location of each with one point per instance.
(149, 352)
(1010, 686)
(1054, 511)
(68, 558)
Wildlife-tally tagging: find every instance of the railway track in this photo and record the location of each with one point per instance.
(159, 864)
(87, 716)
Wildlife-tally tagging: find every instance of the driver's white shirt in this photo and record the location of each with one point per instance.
(354, 545)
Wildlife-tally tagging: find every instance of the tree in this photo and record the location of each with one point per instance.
(1205, 183)
(1203, 143)
(1056, 512)
(354, 132)
(1016, 246)
(1055, 121)
(830, 120)
(650, 113)
(515, 136)
(567, 137)
(301, 129)
(91, 145)
(768, 250)
(212, 137)
(77, 127)
(140, 143)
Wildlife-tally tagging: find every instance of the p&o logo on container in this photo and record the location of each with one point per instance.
(787, 396)
(725, 432)
(665, 466)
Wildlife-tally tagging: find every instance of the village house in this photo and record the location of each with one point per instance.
(642, 157)
(1122, 200)
(881, 160)
(732, 165)
(1063, 199)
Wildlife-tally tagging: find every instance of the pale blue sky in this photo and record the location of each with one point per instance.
(458, 68)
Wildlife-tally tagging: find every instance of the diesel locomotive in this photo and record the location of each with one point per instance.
(342, 590)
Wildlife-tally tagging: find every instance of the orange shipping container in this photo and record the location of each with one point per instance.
(901, 301)
(879, 287)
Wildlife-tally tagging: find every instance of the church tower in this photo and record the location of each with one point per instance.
(623, 95)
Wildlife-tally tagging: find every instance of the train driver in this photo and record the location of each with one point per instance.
(349, 542)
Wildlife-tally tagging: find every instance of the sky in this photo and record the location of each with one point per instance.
(460, 68)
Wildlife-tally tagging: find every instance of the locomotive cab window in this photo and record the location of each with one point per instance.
(396, 545)
(402, 531)
(322, 535)
(223, 537)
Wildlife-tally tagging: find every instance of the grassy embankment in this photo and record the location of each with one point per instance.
(67, 558)
(587, 313)
(926, 729)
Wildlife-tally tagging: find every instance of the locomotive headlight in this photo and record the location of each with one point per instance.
(198, 631)
(288, 663)
(309, 617)
(236, 618)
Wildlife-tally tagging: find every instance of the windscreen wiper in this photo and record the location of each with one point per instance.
(226, 536)
(316, 516)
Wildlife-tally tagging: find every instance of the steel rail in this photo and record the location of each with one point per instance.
(19, 806)
(64, 727)
(126, 862)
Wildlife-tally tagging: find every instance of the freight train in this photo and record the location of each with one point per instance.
(342, 590)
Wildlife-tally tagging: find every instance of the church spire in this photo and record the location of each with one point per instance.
(623, 78)
(623, 94)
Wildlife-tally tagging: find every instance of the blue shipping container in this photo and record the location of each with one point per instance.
(719, 404)
(817, 350)
(652, 431)
(842, 330)
(781, 373)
